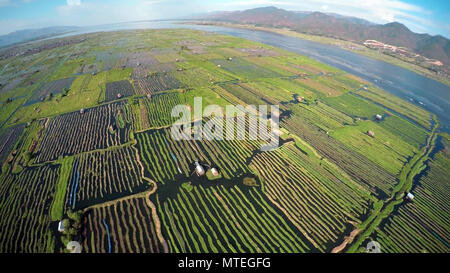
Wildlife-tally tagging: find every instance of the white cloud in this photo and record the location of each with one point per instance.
(82, 13)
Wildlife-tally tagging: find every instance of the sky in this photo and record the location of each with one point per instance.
(422, 16)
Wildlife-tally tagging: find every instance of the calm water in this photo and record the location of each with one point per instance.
(408, 85)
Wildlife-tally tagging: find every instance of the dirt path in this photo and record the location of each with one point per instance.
(112, 202)
(347, 240)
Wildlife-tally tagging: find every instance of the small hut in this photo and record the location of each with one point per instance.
(378, 117)
(365, 88)
(119, 95)
(371, 133)
(300, 99)
(61, 226)
(214, 171)
(82, 111)
(199, 169)
(230, 59)
(219, 66)
(409, 196)
(177, 60)
(149, 96)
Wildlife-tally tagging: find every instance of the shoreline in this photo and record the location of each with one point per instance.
(342, 44)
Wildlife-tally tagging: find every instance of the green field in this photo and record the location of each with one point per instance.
(100, 154)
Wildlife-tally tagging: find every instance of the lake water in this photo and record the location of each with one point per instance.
(427, 93)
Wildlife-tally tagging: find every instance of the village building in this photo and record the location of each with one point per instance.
(409, 196)
(61, 226)
(378, 117)
(371, 133)
(214, 171)
(199, 169)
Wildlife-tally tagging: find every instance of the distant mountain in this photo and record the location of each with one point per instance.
(342, 27)
(33, 34)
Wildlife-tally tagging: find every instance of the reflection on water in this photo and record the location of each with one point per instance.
(427, 93)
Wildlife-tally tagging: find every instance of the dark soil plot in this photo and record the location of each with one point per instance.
(142, 72)
(162, 51)
(141, 59)
(53, 88)
(8, 139)
(107, 59)
(102, 176)
(117, 90)
(88, 68)
(155, 83)
(124, 227)
(73, 133)
(10, 85)
(139, 73)
(25, 201)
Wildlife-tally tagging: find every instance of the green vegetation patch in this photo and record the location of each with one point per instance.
(385, 149)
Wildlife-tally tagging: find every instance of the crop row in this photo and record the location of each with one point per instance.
(361, 169)
(154, 83)
(245, 70)
(53, 88)
(407, 131)
(422, 225)
(104, 175)
(25, 199)
(158, 109)
(126, 226)
(73, 133)
(416, 113)
(176, 157)
(118, 89)
(321, 206)
(225, 219)
(8, 139)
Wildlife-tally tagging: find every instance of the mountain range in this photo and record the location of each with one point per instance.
(341, 27)
(27, 35)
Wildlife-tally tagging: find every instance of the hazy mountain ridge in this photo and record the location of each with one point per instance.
(342, 27)
(26, 35)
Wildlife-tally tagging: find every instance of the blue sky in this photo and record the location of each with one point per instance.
(430, 16)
